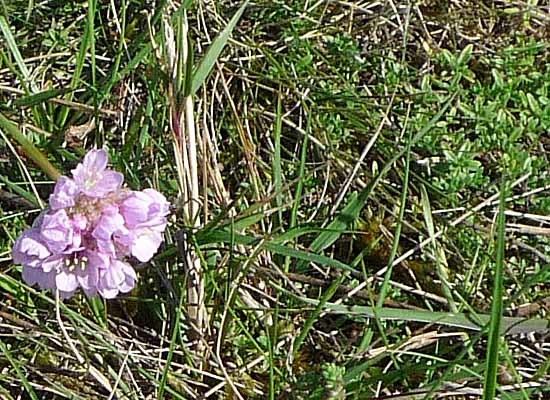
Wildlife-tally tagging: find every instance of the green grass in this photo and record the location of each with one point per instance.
(348, 233)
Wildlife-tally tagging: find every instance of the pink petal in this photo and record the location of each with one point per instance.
(31, 246)
(135, 209)
(29, 249)
(145, 209)
(108, 293)
(111, 181)
(66, 281)
(130, 277)
(53, 263)
(91, 175)
(119, 277)
(113, 276)
(88, 278)
(107, 225)
(79, 221)
(156, 196)
(33, 276)
(56, 230)
(96, 160)
(146, 245)
(64, 194)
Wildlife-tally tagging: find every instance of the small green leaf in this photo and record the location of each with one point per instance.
(533, 104)
(244, 222)
(497, 78)
(465, 55)
(448, 57)
(512, 10)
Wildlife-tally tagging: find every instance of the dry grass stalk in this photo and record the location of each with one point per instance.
(185, 149)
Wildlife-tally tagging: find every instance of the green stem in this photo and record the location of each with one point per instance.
(36, 155)
(494, 337)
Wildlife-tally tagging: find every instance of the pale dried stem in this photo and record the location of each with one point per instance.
(192, 173)
(182, 122)
(222, 196)
(362, 157)
(69, 103)
(98, 376)
(195, 290)
(121, 370)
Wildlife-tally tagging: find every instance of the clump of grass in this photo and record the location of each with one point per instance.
(334, 225)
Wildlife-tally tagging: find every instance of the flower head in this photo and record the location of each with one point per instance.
(145, 216)
(92, 225)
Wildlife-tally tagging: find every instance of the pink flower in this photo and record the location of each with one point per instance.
(64, 194)
(82, 270)
(92, 177)
(118, 277)
(145, 209)
(145, 216)
(146, 242)
(57, 232)
(92, 225)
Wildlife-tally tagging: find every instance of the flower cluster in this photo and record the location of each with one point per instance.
(91, 226)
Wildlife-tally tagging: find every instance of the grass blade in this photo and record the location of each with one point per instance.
(493, 345)
(384, 288)
(229, 238)
(12, 45)
(19, 191)
(175, 331)
(214, 51)
(40, 97)
(438, 254)
(20, 374)
(509, 325)
(80, 62)
(36, 155)
(351, 212)
(277, 171)
(315, 314)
